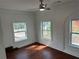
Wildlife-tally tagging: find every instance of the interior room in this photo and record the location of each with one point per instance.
(39, 29)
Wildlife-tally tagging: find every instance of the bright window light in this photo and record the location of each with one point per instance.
(46, 30)
(20, 31)
(42, 9)
(75, 32)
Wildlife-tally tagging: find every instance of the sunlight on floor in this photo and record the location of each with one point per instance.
(31, 47)
(36, 47)
(40, 47)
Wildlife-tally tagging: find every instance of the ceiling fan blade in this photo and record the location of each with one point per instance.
(48, 8)
(45, 5)
(41, 1)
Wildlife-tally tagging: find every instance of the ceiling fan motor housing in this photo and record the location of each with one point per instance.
(42, 6)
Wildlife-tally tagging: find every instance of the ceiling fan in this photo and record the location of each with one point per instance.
(43, 6)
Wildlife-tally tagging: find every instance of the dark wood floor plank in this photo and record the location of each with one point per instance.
(37, 51)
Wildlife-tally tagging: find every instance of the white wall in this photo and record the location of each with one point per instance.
(10, 16)
(59, 15)
(2, 50)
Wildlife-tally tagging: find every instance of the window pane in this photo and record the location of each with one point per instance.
(75, 39)
(46, 25)
(19, 27)
(20, 32)
(46, 34)
(75, 26)
(19, 36)
(46, 30)
(75, 32)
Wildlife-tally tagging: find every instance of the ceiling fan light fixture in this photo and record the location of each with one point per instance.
(42, 9)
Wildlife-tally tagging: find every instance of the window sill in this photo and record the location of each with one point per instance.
(20, 40)
(75, 46)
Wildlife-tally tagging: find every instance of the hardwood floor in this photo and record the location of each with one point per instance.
(38, 51)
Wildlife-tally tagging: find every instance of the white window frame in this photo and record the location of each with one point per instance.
(48, 30)
(20, 31)
(70, 30)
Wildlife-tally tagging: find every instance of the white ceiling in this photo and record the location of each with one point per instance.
(22, 4)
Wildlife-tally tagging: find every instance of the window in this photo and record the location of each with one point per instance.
(46, 29)
(75, 32)
(20, 31)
